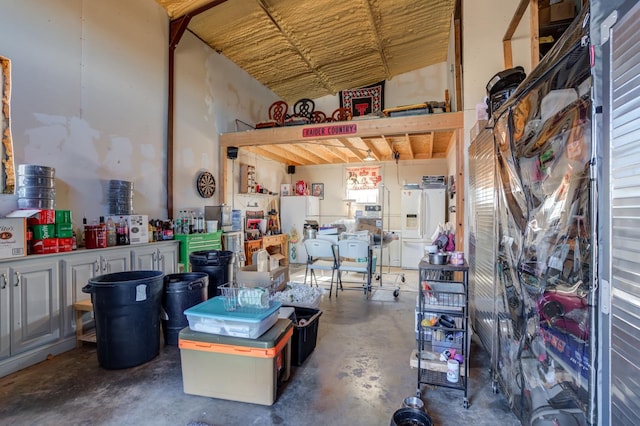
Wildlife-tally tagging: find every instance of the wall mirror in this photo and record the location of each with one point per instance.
(7, 172)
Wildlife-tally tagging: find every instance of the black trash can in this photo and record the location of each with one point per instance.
(216, 263)
(181, 292)
(127, 316)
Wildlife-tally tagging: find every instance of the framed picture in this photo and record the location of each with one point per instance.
(317, 190)
(363, 101)
(285, 189)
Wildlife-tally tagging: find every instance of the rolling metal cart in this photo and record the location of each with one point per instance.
(442, 326)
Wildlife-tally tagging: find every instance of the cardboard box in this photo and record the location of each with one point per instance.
(41, 232)
(63, 216)
(64, 230)
(274, 280)
(13, 237)
(544, 15)
(138, 225)
(40, 217)
(568, 349)
(562, 11)
(45, 246)
(477, 128)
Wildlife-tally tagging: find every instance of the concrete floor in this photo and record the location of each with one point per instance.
(358, 374)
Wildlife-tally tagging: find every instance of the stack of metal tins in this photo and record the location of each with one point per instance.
(120, 197)
(36, 187)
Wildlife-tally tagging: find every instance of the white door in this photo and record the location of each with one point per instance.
(412, 252)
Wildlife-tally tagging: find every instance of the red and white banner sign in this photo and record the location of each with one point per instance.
(365, 177)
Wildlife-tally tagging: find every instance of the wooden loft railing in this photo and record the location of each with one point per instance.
(533, 25)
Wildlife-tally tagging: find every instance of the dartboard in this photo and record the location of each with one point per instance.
(206, 185)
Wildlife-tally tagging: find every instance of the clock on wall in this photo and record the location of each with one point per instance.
(206, 185)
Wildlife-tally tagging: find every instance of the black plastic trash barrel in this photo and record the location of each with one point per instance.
(181, 292)
(126, 306)
(216, 263)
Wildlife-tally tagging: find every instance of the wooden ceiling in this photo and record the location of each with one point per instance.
(312, 48)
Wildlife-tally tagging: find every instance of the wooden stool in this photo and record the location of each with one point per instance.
(81, 308)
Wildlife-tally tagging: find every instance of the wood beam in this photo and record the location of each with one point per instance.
(365, 128)
(460, 195)
(534, 26)
(513, 25)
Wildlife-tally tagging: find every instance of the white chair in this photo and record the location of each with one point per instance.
(321, 255)
(354, 255)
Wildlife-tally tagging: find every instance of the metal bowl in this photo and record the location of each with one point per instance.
(410, 417)
(439, 258)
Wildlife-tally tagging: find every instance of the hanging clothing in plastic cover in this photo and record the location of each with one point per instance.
(544, 294)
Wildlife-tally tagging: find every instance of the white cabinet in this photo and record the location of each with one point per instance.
(5, 313)
(115, 260)
(77, 270)
(156, 257)
(29, 305)
(37, 294)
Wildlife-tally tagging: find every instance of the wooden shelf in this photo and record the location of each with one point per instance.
(281, 242)
(81, 307)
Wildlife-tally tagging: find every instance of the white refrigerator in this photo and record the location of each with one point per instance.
(421, 211)
(294, 212)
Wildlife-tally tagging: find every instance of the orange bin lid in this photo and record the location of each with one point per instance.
(237, 350)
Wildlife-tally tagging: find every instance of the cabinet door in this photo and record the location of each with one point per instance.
(36, 305)
(5, 313)
(168, 258)
(78, 269)
(115, 260)
(156, 257)
(145, 258)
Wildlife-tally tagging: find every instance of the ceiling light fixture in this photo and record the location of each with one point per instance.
(369, 157)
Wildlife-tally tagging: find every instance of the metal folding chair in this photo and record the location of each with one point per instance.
(321, 255)
(354, 255)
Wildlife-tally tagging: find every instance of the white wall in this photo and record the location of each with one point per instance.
(211, 93)
(393, 177)
(485, 23)
(425, 84)
(89, 97)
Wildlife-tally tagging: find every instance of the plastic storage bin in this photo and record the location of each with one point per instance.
(212, 317)
(246, 370)
(305, 336)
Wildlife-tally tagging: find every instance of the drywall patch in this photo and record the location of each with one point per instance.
(147, 151)
(119, 159)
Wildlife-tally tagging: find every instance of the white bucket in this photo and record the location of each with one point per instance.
(453, 371)
(212, 226)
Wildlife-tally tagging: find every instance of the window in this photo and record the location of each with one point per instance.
(362, 183)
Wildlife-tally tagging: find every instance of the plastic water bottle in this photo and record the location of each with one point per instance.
(112, 238)
(200, 227)
(192, 223)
